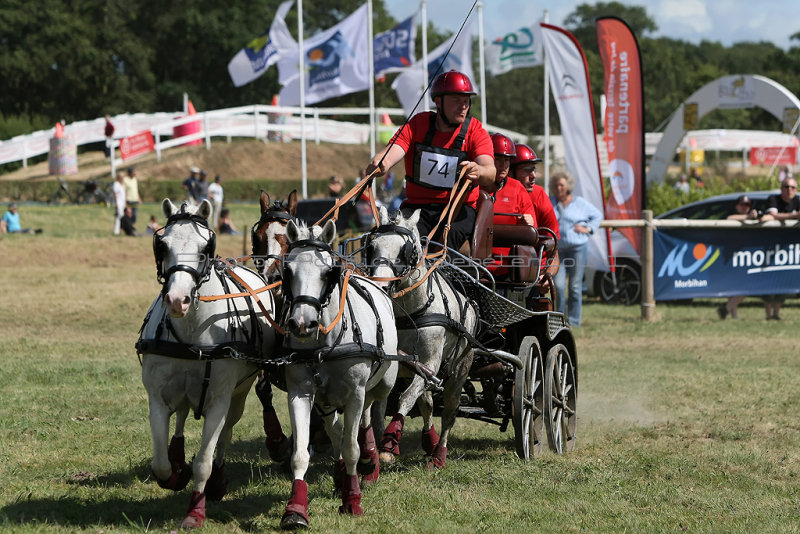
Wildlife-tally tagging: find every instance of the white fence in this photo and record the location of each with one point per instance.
(256, 121)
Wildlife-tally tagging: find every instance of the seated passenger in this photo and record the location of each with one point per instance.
(523, 168)
(512, 205)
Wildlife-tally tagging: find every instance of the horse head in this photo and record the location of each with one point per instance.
(393, 249)
(311, 275)
(268, 235)
(183, 250)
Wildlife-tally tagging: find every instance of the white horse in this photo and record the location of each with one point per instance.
(191, 348)
(336, 352)
(434, 321)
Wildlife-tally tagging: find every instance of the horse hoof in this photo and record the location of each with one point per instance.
(292, 521)
(438, 459)
(387, 457)
(191, 523)
(351, 509)
(177, 480)
(196, 514)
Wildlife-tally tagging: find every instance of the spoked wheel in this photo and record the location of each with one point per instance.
(622, 287)
(560, 399)
(528, 400)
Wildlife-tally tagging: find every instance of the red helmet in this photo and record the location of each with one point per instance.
(452, 83)
(525, 154)
(503, 145)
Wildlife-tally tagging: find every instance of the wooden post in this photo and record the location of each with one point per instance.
(648, 302)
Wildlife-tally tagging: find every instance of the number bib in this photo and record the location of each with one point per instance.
(436, 167)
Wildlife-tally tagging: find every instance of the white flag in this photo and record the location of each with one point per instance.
(336, 61)
(569, 80)
(264, 51)
(410, 84)
(522, 48)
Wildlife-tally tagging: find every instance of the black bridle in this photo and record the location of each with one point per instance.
(407, 259)
(332, 278)
(159, 251)
(277, 213)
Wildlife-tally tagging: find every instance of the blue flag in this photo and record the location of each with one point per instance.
(393, 50)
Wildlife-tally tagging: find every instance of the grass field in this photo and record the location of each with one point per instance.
(686, 424)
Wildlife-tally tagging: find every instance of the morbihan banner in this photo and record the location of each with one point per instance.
(695, 263)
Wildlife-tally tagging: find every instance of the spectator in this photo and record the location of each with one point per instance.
(190, 184)
(744, 210)
(697, 179)
(784, 173)
(578, 219)
(785, 206)
(109, 133)
(152, 225)
(126, 223)
(131, 184)
(118, 191)
(397, 201)
(335, 186)
(216, 195)
(10, 224)
(683, 184)
(226, 225)
(201, 187)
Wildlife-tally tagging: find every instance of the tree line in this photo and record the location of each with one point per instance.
(76, 60)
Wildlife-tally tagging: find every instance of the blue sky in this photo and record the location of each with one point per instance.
(726, 21)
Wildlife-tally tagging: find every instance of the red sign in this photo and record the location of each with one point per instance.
(773, 155)
(136, 145)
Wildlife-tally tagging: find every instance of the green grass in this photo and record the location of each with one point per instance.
(688, 423)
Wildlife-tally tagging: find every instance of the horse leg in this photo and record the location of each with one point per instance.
(169, 466)
(429, 437)
(452, 398)
(212, 428)
(390, 442)
(295, 514)
(277, 443)
(369, 465)
(351, 418)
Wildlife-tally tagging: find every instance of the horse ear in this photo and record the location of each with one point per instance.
(414, 219)
(384, 218)
(328, 234)
(168, 208)
(292, 231)
(205, 209)
(293, 202)
(264, 201)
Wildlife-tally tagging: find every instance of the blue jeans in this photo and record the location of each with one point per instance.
(573, 262)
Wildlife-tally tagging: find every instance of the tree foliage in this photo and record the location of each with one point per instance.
(81, 59)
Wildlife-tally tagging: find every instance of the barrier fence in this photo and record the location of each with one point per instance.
(685, 259)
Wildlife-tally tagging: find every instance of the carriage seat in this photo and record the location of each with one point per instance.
(481, 243)
(524, 243)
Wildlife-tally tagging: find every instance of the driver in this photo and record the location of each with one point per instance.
(435, 146)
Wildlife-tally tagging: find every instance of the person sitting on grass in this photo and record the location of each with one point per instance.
(226, 224)
(126, 223)
(9, 224)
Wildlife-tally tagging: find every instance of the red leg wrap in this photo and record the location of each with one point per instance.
(339, 472)
(196, 514)
(276, 441)
(438, 458)
(217, 484)
(369, 464)
(351, 496)
(181, 474)
(430, 439)
(390, 442)
(298, 502)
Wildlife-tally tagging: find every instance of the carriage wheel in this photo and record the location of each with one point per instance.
(623, 287)
(560, 398)
(528, 400)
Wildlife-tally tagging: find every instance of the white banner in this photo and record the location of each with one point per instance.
(410, 84)
(336, 62)
(264, 51)
(522, 48)
(569, 80)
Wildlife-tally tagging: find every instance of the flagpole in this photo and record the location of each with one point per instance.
(423, 7)
(482, 65)
(371, 79)
(302, 66)
(546, 91)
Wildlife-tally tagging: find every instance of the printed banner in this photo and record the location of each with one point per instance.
(522, 48)
(734, 92)
(695, 263)
(336, 62)
(773, 155)
(393, 50)
(411, 84)
(264, 51)
(624, 123)
(569, 80)
(136, 145)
